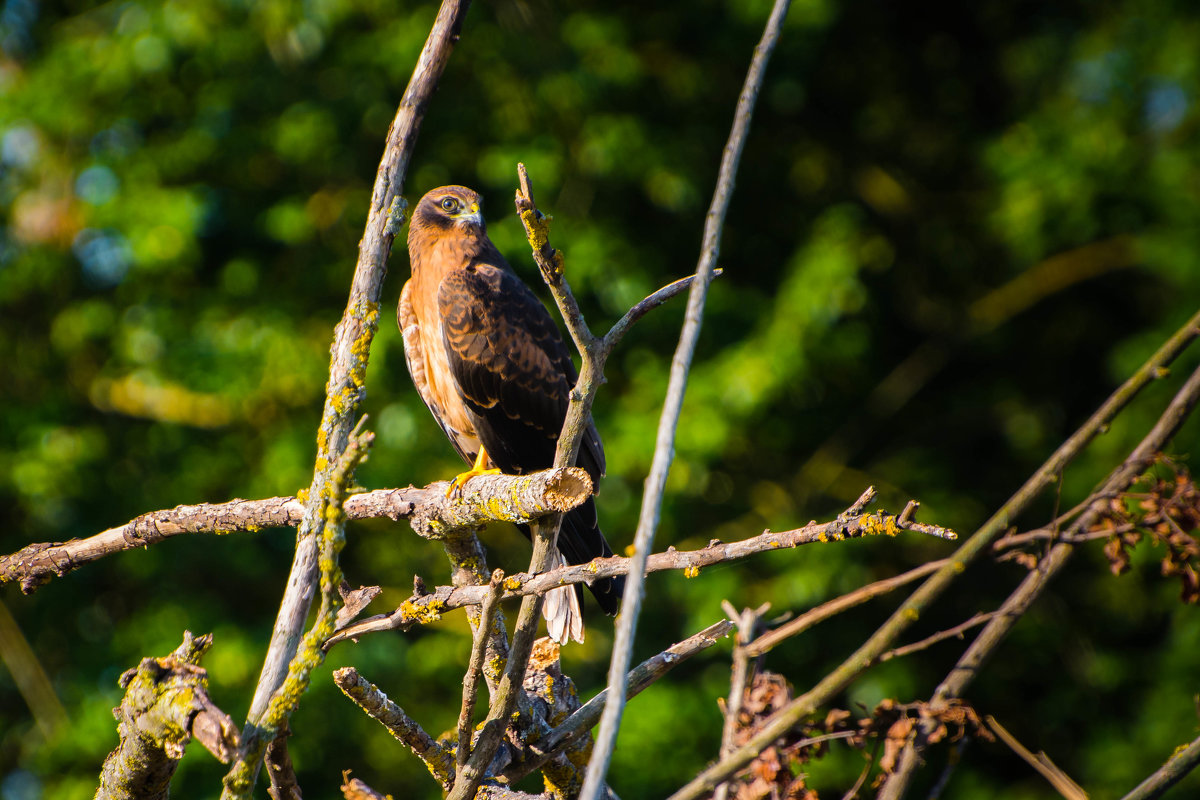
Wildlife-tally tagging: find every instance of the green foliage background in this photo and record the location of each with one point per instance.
(182, 189)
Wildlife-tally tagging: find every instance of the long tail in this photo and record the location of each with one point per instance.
(580, 540)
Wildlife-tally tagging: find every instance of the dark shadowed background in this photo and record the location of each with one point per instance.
(1001, 199)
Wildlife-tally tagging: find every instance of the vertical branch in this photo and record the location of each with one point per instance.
(505, 698)
(664, 446)
(739, 678)
(351, 346)
(310, 653)
(487, 613)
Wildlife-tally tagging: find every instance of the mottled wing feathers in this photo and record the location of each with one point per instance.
(512, 368)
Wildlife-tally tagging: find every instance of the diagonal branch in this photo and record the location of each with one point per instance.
(638, 679)
(972, 661)
(351, 347)
(976, 545)
(1181, 762)
(377, 705)
(664, 444)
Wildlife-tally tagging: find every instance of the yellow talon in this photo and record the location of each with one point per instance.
(478, 468)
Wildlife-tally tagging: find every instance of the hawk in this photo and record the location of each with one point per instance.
(490, 364)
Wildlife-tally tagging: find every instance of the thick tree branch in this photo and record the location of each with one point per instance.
(437, 759)
(348, 363)
(1154, 369)
(166, 703)
(488, 498)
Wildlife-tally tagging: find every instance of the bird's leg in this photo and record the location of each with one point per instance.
(477, 469)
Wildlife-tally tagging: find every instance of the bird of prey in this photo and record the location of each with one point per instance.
(489, 362)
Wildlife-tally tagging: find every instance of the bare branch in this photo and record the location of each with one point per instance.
(739, 679)
(956, 631)
(509, 498)
(428, 606)
(487, 613)
(770, 639)
(1060, 780)
(664, 444)
(280, 771)
(348, 363)
(638, 679)
(1181, 762)
(972, 661)
(978, 543)
(370, 699)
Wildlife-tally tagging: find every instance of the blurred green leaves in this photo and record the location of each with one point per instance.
(182, 191)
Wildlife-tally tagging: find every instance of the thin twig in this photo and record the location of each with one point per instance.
(427, 606)
(1060, 780)
(664, 443)
(638, 679)
(972, 661)
(487, 613)
(852, 792)
(837, 605)
(837, 680)
(957, 630)
(739, 678)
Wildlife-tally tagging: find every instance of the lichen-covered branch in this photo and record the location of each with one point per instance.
(437, 759)
(239, 781)
(509, 498)
(586, 717)
(427, 606)
(166, 704)
(346, 386)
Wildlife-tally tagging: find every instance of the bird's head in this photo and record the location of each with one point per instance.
(450, 207)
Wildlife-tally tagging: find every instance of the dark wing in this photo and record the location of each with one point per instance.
(512, 368)
(515, 374)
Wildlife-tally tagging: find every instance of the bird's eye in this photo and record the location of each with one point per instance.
(449, 204)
